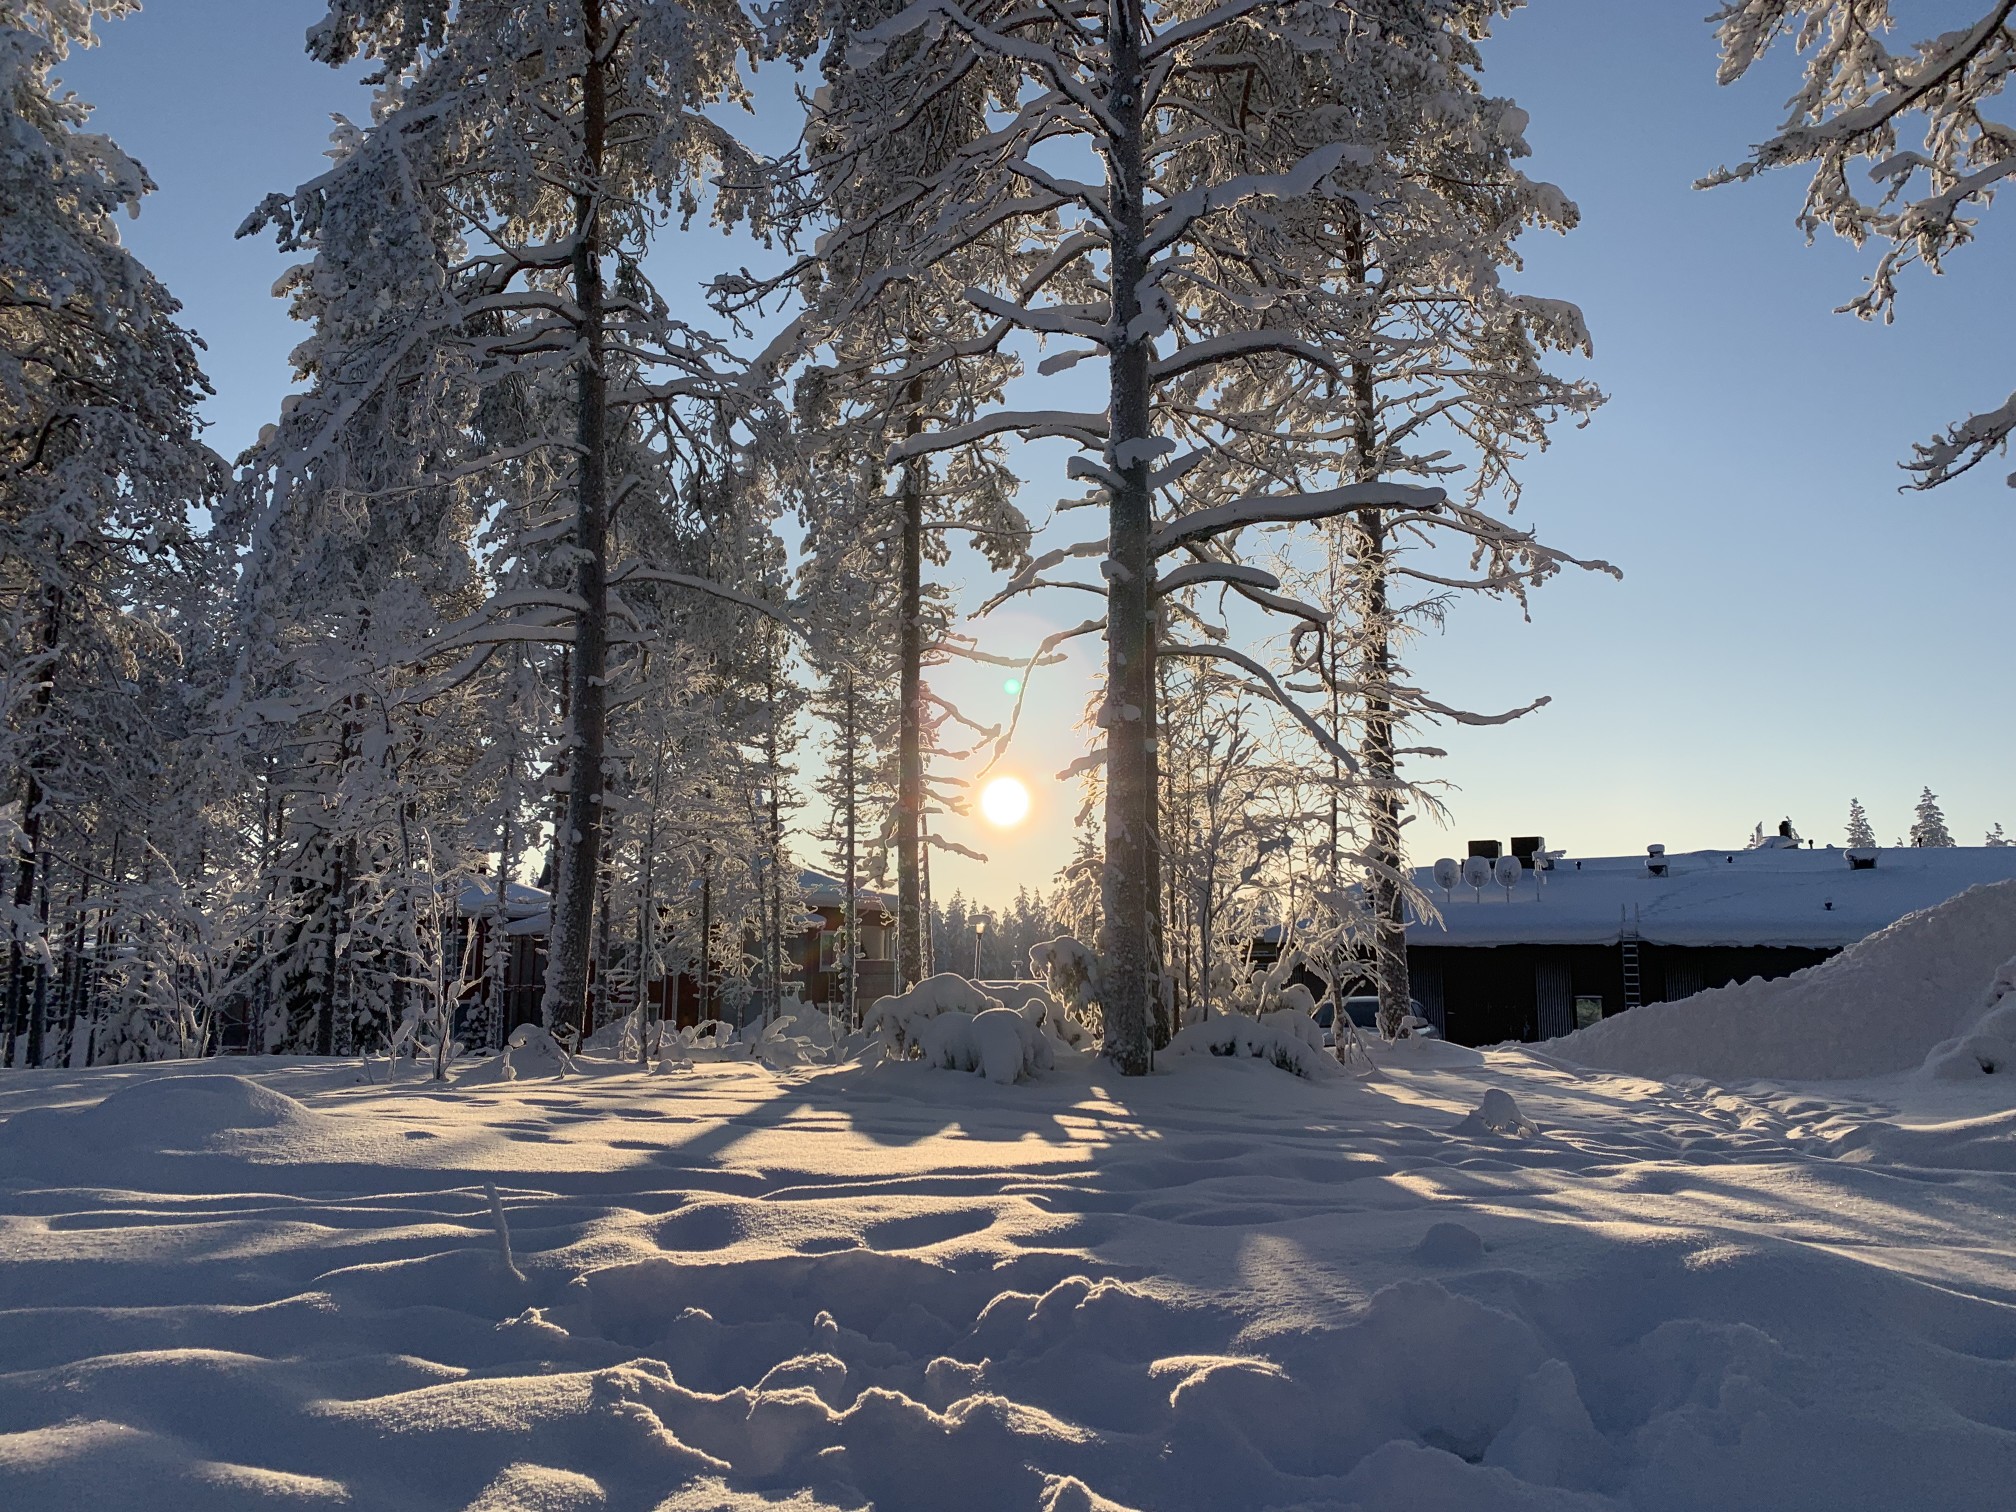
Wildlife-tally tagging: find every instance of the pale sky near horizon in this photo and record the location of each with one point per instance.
(1791, 630)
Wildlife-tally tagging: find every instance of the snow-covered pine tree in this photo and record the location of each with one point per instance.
(890, 349)
(1928, 824)
(1861, 834)
(844, 575)
(490, 294)
(100, 466)
(1858, 101)
(1446, 376)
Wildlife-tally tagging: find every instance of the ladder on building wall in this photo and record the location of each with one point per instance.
(1627, 938)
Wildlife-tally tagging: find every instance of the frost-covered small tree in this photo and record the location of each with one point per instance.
(1995, 837)
(1860, 832)
(1928, 824)
(1919, 122)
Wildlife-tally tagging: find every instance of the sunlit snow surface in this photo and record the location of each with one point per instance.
(1220, 1287)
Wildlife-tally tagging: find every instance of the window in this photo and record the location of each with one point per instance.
(1588, 1010)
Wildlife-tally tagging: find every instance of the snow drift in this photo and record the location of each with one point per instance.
(1881, 1006)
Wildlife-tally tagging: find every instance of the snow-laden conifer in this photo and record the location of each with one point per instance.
(101, 464)
(1928, 823)
(889, 351)
(1860, 832)
(487, 346)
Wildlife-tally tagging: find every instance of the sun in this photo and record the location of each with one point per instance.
(1005, 802)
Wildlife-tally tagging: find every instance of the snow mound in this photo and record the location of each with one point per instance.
(1279, 1037)
(168, 1113)
(1879, 1007)
(1449, 1244)
(1498, 1113)
(196, 1107)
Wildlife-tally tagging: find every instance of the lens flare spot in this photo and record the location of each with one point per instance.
(1005, 802)
(1012, 686)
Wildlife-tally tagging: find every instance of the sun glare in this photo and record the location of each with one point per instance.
(1005, 802)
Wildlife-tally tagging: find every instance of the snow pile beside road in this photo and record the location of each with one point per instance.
(1879, 1007)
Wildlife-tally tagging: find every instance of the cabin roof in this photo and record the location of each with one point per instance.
(1712, 897)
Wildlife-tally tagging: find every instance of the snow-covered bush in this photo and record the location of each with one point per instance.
(1988, 1047)
(1278, 1039)
(530, 1052)
(1001, 1044)
(708, 1034)
(1034, 1002)
(800, 1035)
(899, 1018)
(1070, 969)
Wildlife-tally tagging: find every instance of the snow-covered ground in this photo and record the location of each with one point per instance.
(1219, 1287)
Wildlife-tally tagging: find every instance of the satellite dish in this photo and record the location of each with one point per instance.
(1447, 874)
(1507, 873)
(1477, 872)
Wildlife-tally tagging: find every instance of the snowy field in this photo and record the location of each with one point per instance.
(1218, 1287)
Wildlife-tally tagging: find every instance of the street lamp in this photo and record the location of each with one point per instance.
(979, 929)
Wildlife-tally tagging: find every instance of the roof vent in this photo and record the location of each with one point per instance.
(1655, 860)
(1490, 850)
(1861, 859)
(1529, 849)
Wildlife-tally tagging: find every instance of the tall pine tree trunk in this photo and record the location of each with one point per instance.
(1377, 756)
(31, 842)
(910, 918)
(1131, 986)
(850, 916)
(579, 845)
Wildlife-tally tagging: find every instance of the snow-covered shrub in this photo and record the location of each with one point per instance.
(1000, 1043)
(898, 1019)
(1498, 1113)
(1070, 969)
(799, 1020)
(616, 1039)
(1297, 1022)
(800, 1035)
(1278, 1039)
(1034, 1002)
(1988, 1048)
(530, 1052)
(708, 1034)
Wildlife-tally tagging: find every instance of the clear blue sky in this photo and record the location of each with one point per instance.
(1791, 630)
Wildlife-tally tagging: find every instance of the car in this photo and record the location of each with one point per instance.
(1363, 1011)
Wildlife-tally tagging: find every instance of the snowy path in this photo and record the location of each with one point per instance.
(1218, 1288)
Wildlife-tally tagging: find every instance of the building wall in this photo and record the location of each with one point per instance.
(1487, 995)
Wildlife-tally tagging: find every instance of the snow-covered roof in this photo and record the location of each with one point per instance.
(1719, 897)
(822, 891)
(478, 897)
